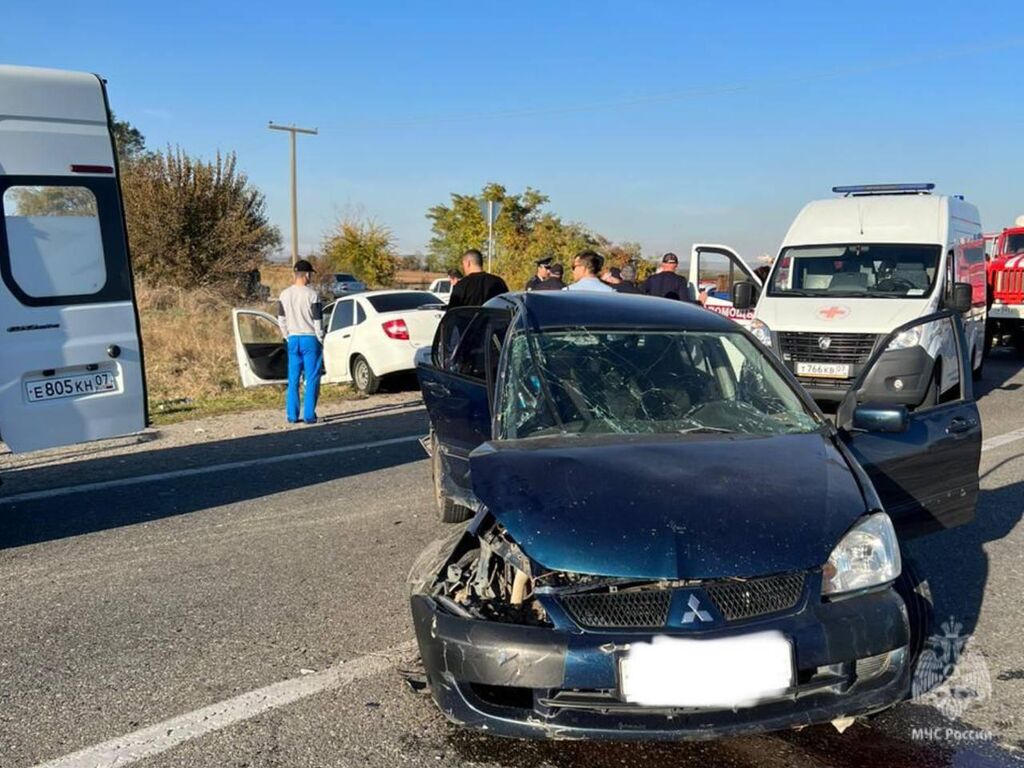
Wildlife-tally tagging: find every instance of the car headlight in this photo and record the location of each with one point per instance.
(761, 332)
(867, 556)
(906, 339)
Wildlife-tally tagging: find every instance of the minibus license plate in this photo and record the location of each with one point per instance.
(56, 387)
(824, 370)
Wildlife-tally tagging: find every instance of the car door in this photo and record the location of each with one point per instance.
(927, 474)
(718, 268)
(338, 341)
(261, 352)
(455, 384)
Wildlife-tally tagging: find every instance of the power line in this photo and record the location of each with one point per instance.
(690, 93)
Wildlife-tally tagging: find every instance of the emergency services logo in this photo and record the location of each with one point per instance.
(951, 676)
(833, 313)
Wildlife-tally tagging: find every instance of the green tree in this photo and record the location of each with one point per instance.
(524, 232)
(364, 248)
(128, 139)
(192, 222)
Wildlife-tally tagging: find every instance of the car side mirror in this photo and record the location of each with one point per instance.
(881, 417)
(743, 295)
(961, 297)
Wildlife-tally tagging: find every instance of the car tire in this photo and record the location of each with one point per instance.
(447, 510)
(365, 380)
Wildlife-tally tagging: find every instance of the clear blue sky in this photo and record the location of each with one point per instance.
(663, 123)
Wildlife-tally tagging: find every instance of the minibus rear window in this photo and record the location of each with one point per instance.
(54, 240)
(62, 241)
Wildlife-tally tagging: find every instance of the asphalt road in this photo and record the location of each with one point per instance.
(268, 595)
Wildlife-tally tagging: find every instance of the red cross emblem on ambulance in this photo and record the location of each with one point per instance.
(833, 313)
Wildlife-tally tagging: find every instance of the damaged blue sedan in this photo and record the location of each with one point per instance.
(661, 535)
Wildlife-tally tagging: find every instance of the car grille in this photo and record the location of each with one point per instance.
(643, 609)
(853, 348)
(638, 609)
(737, 600)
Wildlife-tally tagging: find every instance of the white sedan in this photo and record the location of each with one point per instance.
(369, 336)
(442, 288)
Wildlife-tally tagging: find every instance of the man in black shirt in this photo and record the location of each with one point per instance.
(477, 287)
(543, 273)
(666, 283)
(554, 281)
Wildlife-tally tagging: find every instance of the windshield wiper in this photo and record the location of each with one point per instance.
(706, 430)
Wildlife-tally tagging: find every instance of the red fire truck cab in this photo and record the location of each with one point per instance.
(1006, 286)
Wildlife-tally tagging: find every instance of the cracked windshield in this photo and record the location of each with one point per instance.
(645, 382)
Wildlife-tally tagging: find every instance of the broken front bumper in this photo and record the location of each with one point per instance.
(538, 682)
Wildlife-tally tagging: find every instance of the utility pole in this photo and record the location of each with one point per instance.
(295, 195)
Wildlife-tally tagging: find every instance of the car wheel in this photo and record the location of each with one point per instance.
(363, 377)
(447, 510)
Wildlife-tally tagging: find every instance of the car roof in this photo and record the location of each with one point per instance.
(541, 310)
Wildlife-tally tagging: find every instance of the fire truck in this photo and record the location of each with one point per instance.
(1006, 286)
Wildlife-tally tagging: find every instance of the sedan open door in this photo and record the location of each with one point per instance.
(261, 352)
(458, 386)
(912, 423)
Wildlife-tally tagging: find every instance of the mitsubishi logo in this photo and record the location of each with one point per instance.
(824, 343)
(695, 613)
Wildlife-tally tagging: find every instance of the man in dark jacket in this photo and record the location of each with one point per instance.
(543, 273)
(554, 281)
(666, 283)
(477, 287)
(627, 281)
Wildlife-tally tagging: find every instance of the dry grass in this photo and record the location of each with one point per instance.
(190, 357)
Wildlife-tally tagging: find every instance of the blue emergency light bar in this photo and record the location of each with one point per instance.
(923, 188)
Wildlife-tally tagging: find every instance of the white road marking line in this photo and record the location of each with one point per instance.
(160, 737)
(194, 471)
(1000, 440)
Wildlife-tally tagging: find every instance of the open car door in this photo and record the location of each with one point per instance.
(261, 352)
(457, 388)
(714, 269)
(911, 421)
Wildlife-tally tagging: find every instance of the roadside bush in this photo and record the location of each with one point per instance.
(194, 223)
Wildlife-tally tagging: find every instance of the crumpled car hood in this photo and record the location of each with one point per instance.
(665, 507)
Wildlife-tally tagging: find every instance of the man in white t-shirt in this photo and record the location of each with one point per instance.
(300, 316)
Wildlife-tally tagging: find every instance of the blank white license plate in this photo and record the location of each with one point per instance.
(56, 387)
(728, 672)
(824, 370)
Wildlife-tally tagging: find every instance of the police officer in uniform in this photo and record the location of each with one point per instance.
(554, 281)
(543, 273)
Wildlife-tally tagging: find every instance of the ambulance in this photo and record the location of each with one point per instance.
(855, 267)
